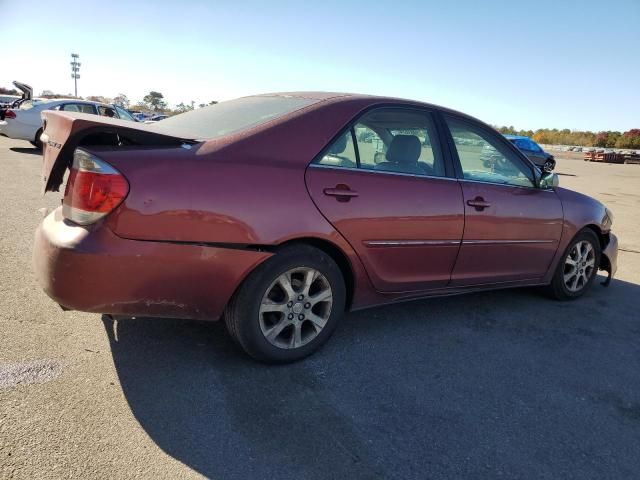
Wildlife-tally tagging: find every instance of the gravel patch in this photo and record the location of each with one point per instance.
(27, 373)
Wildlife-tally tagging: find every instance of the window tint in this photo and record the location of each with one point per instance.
(484, 158)
(398, 140)
(341, 153)
(70, 107)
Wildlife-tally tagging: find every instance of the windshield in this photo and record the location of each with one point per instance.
(229, 117)
(124, 115)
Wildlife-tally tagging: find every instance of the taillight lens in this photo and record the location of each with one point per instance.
(94, 189)
(9, 114)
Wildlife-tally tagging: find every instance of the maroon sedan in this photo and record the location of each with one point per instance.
(280, 212)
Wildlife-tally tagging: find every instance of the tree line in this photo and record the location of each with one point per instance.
(605, 139)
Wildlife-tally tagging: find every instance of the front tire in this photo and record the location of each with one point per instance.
(577, 268)
(289, 306)
(549, 165)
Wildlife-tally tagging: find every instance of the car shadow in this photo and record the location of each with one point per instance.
(31, 151)
(467, 386)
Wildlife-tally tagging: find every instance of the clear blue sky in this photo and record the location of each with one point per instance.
(562, 63)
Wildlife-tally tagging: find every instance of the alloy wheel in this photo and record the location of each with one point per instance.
(295, 308)
(579, 266)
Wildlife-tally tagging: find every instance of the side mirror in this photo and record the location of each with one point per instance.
(549, 180)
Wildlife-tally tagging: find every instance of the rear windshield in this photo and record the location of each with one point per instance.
(26, 105)
(229, 117)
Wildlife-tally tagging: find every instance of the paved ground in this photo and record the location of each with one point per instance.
(505, 384)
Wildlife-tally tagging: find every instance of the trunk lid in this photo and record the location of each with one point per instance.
(64, 131)
(27, 91)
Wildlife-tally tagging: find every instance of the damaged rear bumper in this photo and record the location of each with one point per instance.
(94, 270)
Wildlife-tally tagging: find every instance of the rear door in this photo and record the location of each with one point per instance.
(385, 186)
(512, 228)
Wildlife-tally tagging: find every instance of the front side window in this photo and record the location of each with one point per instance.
(389, 140)
(484, 158)
(106, 111)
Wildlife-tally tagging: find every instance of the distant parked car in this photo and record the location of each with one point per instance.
(532, 150)
(25, 123)
(7, 100)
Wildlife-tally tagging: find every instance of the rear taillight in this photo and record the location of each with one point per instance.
(94, 189)
(9, 114)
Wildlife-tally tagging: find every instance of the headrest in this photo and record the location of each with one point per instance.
(404, 149)
(338, 146)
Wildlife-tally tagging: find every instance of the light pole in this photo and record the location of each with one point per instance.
(75, 71)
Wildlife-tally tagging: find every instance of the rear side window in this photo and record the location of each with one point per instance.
(71, 107)
(230, 117)
(341, 153)
(395, 140)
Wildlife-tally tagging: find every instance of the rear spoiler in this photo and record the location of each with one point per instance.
(64, 131)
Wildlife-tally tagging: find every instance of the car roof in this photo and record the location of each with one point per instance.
(74, 100)
(517, 137)
(373, 100)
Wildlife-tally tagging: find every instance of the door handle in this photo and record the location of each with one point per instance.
(479, 204)
(342, 192)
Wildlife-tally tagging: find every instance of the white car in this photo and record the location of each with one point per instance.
(24, 123)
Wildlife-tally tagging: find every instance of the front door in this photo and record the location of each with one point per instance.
(512, 228)
(389, 194)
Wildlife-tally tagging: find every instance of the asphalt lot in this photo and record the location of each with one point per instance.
(496, 385)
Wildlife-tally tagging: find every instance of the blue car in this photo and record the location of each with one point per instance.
(534, 152)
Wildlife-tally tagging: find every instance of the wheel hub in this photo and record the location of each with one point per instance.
(295, 308)
(579, 266)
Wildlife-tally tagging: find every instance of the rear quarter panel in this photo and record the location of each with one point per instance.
(247, 190)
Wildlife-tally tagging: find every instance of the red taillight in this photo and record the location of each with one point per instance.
(94, 189)
(9, 114)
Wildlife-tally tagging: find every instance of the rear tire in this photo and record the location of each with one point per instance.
(289, 306)
(578, 267)
(36, 142)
